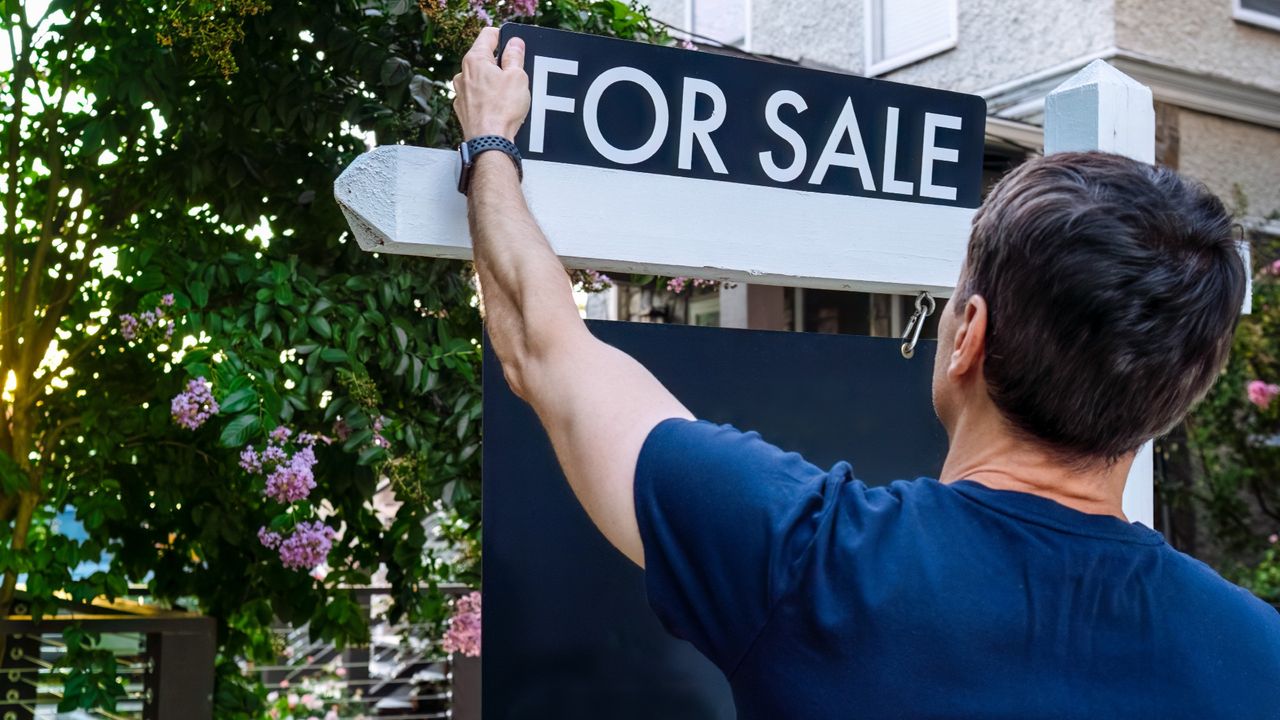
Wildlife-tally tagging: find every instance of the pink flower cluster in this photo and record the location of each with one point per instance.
(289, 477)
(678, 285)
(1262, 393)
(1275, 268)
(463, 632)
(131, 325)
(306, 547)
(193, 406)
(525, 8)
(477, 9)
(593, 281)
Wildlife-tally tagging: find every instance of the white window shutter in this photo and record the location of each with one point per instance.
(904, 31)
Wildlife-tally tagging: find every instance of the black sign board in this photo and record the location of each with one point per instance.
(568, 633)
(618, 104)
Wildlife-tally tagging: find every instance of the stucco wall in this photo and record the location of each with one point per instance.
(1200, 35)
(668, 11)
(825, 32)
(1001, 40)
(1221, 153)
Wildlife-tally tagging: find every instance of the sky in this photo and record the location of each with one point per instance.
(34, 9)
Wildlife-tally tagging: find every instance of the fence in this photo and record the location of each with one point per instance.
(164, 659)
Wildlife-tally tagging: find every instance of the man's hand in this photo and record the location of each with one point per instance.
(491, 100)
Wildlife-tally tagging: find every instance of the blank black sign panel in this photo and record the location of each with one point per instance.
(568, 633)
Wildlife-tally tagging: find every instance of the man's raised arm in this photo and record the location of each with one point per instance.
(596, 403)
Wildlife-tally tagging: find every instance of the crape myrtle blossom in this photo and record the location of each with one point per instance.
(306, 547)
(463, 633)
(193, 406)
(289, 477)
(526, 8)
(128, 327)
(1262, 393)
(292, 480)
(131, 326)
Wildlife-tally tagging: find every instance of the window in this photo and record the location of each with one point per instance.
(1258, 12)
(900, 32)
(725, 21)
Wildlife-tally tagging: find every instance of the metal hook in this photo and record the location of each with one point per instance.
(925, 306)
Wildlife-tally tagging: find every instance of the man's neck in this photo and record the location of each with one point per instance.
(997, 459)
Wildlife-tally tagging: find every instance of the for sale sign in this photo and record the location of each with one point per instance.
(650, 159)
(609, 103)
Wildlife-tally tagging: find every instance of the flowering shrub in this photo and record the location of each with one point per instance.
(316, 697)
(1234, 437)
(188, 287)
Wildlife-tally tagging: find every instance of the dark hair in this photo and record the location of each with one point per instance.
(1113, 289)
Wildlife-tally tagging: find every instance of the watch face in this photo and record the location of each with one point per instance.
(464, 167)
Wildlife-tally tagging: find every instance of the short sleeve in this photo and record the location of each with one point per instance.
(726, 520)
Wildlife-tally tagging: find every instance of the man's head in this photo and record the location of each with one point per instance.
(1096, 304)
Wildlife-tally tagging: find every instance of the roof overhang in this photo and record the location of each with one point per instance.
(1022, 100)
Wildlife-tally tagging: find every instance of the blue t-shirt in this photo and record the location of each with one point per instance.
(820, 597)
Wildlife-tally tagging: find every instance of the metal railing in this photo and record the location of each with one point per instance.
(164, 660)
(398, 675)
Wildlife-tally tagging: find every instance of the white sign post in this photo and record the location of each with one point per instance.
(403, 200)
(1101, 108)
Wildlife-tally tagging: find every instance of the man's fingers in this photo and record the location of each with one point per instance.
(486, 44)
(513, 55)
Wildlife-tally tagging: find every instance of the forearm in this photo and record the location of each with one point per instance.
(529, 307)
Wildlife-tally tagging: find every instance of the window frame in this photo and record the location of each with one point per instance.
(871, 26)
(1243, 14)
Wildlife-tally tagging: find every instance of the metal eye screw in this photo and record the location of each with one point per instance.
(925, 306)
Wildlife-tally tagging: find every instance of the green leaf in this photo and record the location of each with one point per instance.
(321, 326)
(237, 432)
(199, 293)
(333, 355)
(239, 400)
(402, 337)
(417, 373)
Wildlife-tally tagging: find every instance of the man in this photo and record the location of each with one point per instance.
(1097, 303)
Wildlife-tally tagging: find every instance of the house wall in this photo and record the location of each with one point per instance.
(821, 32)
(1002, 40)
(668, 11)
(1200, 35)
(1224, 154)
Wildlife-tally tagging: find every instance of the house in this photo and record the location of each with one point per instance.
(1212, 65)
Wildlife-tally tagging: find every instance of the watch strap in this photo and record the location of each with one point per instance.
(472, 148)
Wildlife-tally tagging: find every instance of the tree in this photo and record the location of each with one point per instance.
(196, 359)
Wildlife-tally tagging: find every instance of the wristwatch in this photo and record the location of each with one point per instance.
(470, 149)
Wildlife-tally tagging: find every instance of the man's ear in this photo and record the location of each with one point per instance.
(970, 344)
